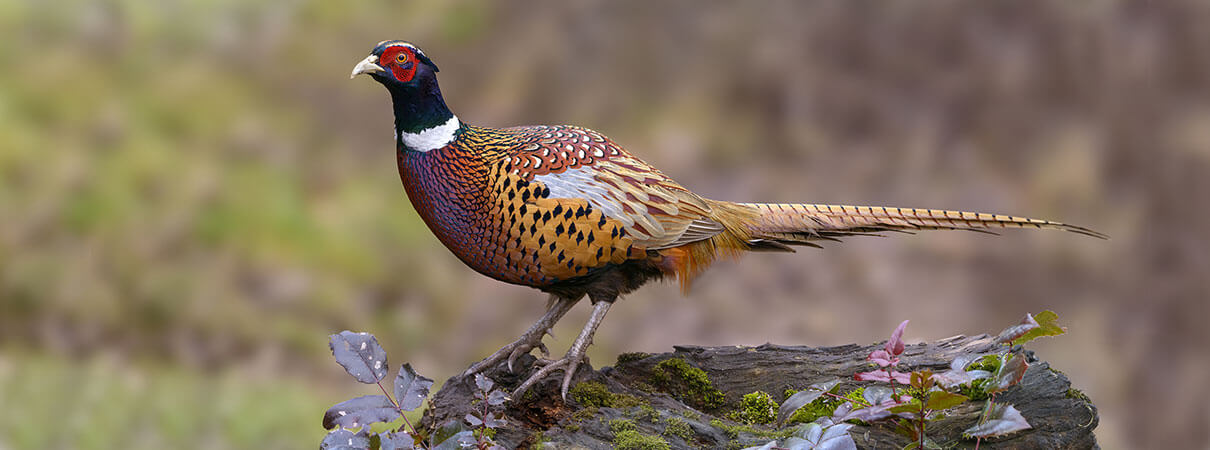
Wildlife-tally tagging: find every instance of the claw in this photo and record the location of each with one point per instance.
(574, 357)
(530, 340)
(510, 352)
(538, 376)
(516, 353)
(569, 364)
(567, 375)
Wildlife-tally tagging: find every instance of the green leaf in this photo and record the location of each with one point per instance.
(1046, 327)
(907, 428)
(909, 407)
(922, 380)
(944, 400)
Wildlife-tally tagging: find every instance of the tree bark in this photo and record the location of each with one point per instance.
(1060, 416)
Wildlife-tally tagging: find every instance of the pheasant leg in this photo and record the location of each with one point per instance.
(575, 355)
(530, 340)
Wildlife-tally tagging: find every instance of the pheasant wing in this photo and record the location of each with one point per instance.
(577, 163)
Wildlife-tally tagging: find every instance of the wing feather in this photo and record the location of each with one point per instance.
(577, 163)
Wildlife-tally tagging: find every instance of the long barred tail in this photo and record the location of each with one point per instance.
(779, 224)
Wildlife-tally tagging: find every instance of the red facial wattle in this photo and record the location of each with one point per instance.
(401, 61)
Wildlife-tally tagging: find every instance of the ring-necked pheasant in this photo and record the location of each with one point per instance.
(567, 211)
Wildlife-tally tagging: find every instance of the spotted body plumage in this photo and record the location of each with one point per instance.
(495, 198)
(568, 211)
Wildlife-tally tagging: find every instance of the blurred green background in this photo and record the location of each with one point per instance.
(193, 195)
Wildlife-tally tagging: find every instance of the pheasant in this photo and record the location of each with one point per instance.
(568, 211)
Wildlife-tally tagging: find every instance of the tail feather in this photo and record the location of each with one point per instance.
(777, 226)
(798, 224)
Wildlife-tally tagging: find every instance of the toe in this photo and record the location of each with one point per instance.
(568, 373)
(517, 352)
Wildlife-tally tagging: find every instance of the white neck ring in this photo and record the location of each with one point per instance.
(431, 138)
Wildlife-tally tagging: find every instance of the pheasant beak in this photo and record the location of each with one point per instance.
(368, 65)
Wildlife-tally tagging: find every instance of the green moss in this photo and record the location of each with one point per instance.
(990, 363)
(823, 406)
(595, 394)
(679, 428)
(489, 433)
(539, 441)
(646, 412)
(757, 408)
(645, 387)
(856, 395)
(631, 357)
(629, 401)
(592, 394)
(691, 414)
(687, 383)
(1078, 395)
(733, 431)
(620, 425)
(810, 412)
(572, 427)
(584, 414)
(626, 435)
(634, 440)
(976, 390)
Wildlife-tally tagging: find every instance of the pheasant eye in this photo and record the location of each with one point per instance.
(401, 58)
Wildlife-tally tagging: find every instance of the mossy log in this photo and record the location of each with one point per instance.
(655, 401)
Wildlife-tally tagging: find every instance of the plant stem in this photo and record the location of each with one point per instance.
(894, 394)
(921, 421)
(394, 403)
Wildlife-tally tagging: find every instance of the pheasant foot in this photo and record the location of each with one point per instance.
(530, 340)
(575, 355)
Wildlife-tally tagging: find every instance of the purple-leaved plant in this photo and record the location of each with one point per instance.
(926, 394)
(887, 359)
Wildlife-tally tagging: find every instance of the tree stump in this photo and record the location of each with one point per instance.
(635, 391)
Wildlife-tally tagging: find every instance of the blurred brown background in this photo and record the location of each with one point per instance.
(193, 194)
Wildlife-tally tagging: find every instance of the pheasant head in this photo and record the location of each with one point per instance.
(421, 116)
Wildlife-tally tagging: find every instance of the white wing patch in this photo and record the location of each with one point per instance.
(606, 191)
(580, 182)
